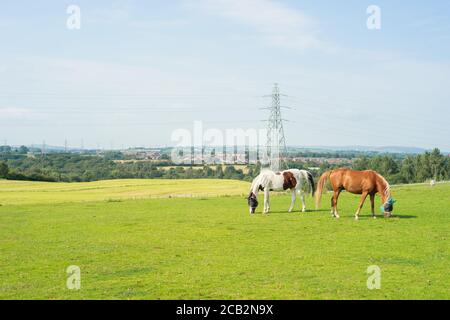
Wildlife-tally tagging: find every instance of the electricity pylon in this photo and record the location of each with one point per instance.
(276, 141)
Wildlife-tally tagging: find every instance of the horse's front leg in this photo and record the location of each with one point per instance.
(294, 197)
(266, 201)
(361, 203)
(372, 205)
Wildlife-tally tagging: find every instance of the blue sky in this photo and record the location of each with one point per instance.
(138, 70)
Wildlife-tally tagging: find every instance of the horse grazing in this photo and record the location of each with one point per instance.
(358, 182)
(268, 180)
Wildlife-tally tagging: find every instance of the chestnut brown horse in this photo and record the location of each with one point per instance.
(366, 183)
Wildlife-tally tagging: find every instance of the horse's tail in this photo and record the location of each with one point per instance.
(323, 179)
(309, 177)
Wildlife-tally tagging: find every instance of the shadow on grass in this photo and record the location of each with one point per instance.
(321, 211)
(404, 216)
(295, 212)
(396, 216)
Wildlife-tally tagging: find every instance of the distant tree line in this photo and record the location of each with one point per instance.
(411, 169)
(72, 167)
(9, 149)
(69, 167)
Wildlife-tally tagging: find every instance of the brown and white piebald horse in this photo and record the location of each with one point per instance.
(268, 180)
(366, 183)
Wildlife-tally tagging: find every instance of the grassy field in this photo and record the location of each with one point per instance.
(26, 192)
(211, 248)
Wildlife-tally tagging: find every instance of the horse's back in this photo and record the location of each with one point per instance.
(355, 174)
(354, 181)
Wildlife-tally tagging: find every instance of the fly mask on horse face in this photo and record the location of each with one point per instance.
(252, 202)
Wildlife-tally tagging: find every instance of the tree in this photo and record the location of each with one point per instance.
(407, 170)
(229, 172)
(436, 163)
(189, 173)
(208, 172)
(165, 156)
(422, 167)
(5, 149)
(23, 150)
(219, 171)
(361, 164)
(257, 169)
(4, 170)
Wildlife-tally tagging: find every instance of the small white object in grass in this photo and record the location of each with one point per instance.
(432, 183)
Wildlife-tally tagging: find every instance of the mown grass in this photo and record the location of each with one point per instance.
(211, 248)
(26, 192)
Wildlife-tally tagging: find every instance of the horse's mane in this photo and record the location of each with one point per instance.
(387, 188)
(260, 180)
(254, 182)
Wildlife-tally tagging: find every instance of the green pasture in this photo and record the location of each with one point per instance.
(131, 241)
(28, 192)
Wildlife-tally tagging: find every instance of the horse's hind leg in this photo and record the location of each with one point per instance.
(361, 203)
(292, 201)
(334, 202)
(302, 197)
(332, 205)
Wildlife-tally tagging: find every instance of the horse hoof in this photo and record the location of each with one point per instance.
(356, 218)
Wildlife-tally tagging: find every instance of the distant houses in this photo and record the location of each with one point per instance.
(332, 161)
(142, 154)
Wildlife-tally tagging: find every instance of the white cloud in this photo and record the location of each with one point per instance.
(277, 24)
(159, 24)
(14, 113)
(108, 15)
(264, 14)
(126, 16)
